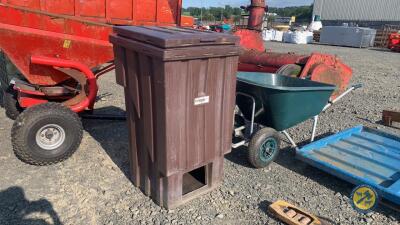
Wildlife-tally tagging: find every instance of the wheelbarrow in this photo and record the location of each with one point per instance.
(268, 104)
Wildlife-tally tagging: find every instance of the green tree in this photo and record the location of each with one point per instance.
(213, 13)
(302, 13)
(237, 11)
(228, 11)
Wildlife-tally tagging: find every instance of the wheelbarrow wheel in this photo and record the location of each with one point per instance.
(46, 134)
(264, 147)
(10, 104)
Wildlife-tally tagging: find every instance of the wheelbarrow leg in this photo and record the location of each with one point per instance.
(314, 130)
(253, 110)
(294, 145)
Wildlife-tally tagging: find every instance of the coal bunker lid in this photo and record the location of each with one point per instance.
(173, 37)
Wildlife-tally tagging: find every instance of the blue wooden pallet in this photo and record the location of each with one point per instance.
(359, 155)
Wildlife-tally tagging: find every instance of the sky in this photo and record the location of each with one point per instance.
(271, 3)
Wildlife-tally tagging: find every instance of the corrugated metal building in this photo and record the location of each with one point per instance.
(361, 12)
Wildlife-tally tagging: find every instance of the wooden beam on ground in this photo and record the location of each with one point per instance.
(389, 117)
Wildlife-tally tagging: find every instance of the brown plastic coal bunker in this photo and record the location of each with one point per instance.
(180, 96)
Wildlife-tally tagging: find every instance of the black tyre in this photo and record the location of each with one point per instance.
(264, 147)
(46, 134)
(8, 96)
(1, 98)
(291, 70)
(3, 77)
(10, 104)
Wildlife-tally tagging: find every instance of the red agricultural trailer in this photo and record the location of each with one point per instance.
(52, 53)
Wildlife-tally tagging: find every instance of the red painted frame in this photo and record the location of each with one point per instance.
(116, 12)
(91, 78)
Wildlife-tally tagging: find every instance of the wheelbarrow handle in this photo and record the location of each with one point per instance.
(353, 87)
(357, 86)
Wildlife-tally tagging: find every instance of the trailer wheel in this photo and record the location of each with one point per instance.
(46, 134)
(264, 147)
(8, 96)
(10, 104)
(3, 77)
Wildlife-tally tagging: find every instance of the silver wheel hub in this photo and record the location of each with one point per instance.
(50, 137)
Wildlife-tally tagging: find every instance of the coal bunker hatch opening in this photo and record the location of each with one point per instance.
(194, 180)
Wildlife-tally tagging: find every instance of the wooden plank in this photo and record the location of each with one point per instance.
(389, 117)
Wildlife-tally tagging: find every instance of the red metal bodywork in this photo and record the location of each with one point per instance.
(90, 78)
(116, 12)
(394, 42)
(40, 36)
(269, 62)
(250, 39)
(257, 11)
(187, 21)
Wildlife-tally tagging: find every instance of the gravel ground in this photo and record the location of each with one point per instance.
(92, 186)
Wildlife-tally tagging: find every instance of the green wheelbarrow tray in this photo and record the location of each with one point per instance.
(281, 102)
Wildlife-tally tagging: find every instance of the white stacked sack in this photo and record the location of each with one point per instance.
(267, 35)
(272, 35)
(315, 25)
(277, 35)
(298, 37)
(287, 37)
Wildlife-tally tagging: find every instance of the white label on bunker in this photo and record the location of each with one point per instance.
(202, 100)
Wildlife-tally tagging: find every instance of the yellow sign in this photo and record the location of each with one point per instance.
(67, 44)
(364, 198)
(293, 19)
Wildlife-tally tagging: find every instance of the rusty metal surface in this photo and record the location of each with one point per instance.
(81, 79)
(256, 10)
(180, 110)
(56, 91)
(271, 60)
